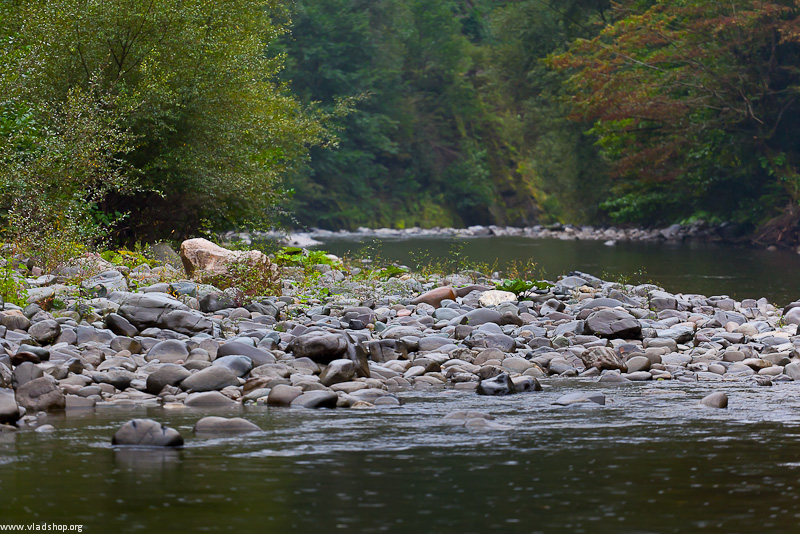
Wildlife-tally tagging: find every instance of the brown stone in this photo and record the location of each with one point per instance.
(434, 297)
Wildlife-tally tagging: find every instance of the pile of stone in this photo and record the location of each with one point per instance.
(125, 339)
(700, 231)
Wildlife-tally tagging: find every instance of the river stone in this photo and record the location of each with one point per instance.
(236, 348)
(40, 395)
(638, 363)
(482, 316)
(169, 351)
(15, 321)
(578, 397)
(211, 378)
(603, 358)
(168, 374)
(238, 365)
(283, 395)
(434, 297)
(446, 314)
(793, 369)
(202, 255)
(495, 297)
(119, 378)
(111, 280)
(319, 346)
(316, 399)
(224, 425)
(120, 325)
(613, 323)
(499, 385)
(208, 399)
(526, 383)
(44, 332)
(24, 373)
(9, 410)
(145, 310)
(338, 371)
(715, 400)
(146, 432)
(76, 402)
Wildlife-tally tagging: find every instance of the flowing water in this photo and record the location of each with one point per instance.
(649, 461)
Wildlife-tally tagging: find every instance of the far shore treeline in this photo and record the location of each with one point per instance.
(139, 120)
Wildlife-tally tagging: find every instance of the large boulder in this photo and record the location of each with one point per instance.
(323, 347)
(203, 255)
(167, 375)
(499, 385)
(145, 310)
(146, 432)
(40, 395)
(236, 348)
(613, 323)
(168, 351)
(44, 332)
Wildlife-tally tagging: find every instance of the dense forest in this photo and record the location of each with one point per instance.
(145, 119)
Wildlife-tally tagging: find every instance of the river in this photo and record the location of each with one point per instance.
(649, 461)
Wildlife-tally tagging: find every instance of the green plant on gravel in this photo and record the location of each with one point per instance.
(307, 259)
(521, 287)
(251, 276)
(129, 258)
(12, 287)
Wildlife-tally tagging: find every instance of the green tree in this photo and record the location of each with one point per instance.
(203, 129)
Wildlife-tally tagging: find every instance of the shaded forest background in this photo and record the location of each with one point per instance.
(150, 119)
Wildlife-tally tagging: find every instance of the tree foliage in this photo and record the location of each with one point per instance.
(696, 104)
(185, 100)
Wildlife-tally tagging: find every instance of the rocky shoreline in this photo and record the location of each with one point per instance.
(127, 337)
(698, 231)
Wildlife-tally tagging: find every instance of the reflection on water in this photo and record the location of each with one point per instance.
(707, 269)
(649, 461)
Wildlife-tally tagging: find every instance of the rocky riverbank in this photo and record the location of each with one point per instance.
(699, 231)
(145, 336)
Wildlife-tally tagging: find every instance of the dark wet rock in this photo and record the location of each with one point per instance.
(167, 375)
(147, 433)
(499, 385)
(120, 325)
(579, 397)
(319, 346)
(316, 399)
(224, 425)
(40, 395)
(603, 358)
(613, 323)
(211, 378)
(715, 400)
